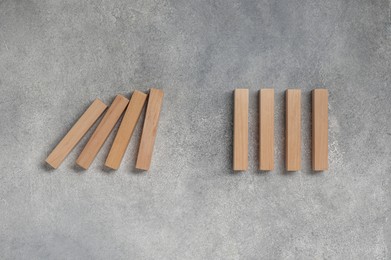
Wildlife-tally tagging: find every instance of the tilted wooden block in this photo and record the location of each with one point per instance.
(125, 130)
(147, 142)
(320, 129)
(101, 133)
(79, 129)
(266, 129)
(293, 130)
(240, 156)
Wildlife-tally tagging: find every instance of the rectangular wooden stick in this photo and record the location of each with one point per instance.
(155, 101)
(320, 129)
(240, 160)
(79, 129)
(266, 129)
(125, 130)
(293, 129)
(101, 133)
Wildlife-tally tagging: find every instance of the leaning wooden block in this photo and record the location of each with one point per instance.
(293, 130)
(266, 128)
(319, 129)
(240, 160)
(125, 130)
(79, 129)
(101, 133)
(155, 101)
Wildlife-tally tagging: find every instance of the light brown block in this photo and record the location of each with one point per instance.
(101, 133)
(320, 129)
(266, 129)
(293, 130)
(155, 101)
(125, 131)
(79, 129)
(240, 160)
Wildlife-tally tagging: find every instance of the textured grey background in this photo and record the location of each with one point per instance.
(57, 56)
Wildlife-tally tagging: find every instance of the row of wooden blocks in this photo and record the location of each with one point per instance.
(292, 130)
(133, 111)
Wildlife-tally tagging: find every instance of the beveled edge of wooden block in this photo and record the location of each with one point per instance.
(141, 168)
(121, 97)
(81, 166)
(100, 102)
(156, 90)
(293, 90)
(320, 89)
(240, 169)
(138, 92)
(109, 165)
(50, 164)
(241, 89)
(293, 169)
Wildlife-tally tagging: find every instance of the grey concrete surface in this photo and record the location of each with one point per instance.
(57, 56)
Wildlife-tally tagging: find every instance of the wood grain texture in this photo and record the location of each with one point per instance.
(266, 129)
(240, 156)
(148, 136)
(101, 133)
(76, 133)
(293, 130)
(320, 130)
(125, 131)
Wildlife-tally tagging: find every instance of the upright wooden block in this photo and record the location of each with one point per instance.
(240, 160)
(320, 129)
(293, 129)
(101, 133)
(155, 101)
(125, 130)
(266, 129)
(79, 129)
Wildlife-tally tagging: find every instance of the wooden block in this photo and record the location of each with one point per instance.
(101, 133)
(320, 129)
(79, 129)
(240, 160)
(266, 129)
(125, 130)
(155, 101)
(293, 129)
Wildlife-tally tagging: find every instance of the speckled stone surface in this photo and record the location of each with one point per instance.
(58, 56)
